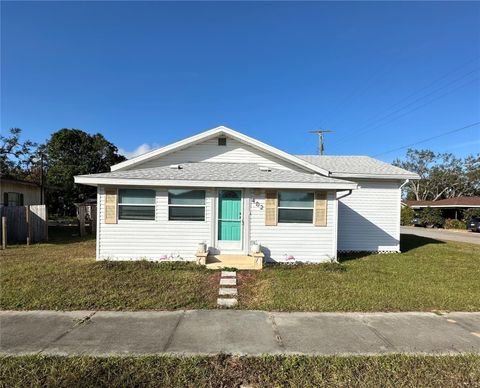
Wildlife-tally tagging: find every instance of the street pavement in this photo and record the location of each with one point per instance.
(237, 332)
(442, 234)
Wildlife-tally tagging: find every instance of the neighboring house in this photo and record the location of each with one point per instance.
(14, 192)
(229, 191)
(452, 208)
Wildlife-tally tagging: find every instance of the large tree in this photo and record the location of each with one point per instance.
(73, 152)
(442, 175)
(16, 156)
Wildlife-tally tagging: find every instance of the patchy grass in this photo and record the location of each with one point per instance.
(228, 371)
(429, 275)
(63, 275)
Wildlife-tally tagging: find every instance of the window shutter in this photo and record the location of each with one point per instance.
(5, 199)
(321, 208)
(270, 208)
(110, 206)
(20, 199)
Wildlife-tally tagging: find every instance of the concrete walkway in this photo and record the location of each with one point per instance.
(236, 332)
(442, 234)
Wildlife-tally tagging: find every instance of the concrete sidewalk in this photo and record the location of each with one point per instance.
(236, 332)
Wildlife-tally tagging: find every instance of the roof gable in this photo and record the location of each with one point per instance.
(145, 160)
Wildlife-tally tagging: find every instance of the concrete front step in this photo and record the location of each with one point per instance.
(233, 261)
(227, 302)
(237, 266)
(228, 274)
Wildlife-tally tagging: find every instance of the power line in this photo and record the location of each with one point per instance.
(421, 106)
(426, 87)
(380, 71)
(428, 139)
(363, 129)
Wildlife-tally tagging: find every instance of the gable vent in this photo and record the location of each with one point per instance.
(222, 141)
(267, 169)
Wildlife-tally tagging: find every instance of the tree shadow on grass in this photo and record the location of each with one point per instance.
(66, 234)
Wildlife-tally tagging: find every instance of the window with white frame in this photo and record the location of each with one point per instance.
(295, 207)
(136, 204)
(186, 205)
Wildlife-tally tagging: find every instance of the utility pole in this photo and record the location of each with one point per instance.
(41, 178)
(321, 144)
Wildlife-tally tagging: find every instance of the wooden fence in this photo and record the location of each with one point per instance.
(27, 224)
(87, 214)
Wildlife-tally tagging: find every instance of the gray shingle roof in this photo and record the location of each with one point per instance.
(353, 166)
(230, 172)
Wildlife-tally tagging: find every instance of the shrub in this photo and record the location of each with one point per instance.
(454, 224)
(406, 216)
(431, 217)
(472, 212)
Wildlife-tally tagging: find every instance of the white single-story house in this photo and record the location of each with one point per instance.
(231, 192)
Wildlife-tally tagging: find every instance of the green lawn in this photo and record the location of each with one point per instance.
(227, 371)
(429, 275)
(64, 275)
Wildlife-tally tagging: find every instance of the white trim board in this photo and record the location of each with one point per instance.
(94, 181)
(373, 176)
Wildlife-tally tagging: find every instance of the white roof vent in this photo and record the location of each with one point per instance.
(176, 166)
(266, 169)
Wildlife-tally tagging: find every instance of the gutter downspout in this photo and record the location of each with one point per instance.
(404, 183)
(345, 195)
(335, 251)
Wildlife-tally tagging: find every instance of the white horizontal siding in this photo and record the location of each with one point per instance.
(305, 242)
(210, 151)
(152, 240)
(369, 218)
(134, 240)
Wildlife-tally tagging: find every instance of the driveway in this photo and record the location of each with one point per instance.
(442, 234)
(238, 332)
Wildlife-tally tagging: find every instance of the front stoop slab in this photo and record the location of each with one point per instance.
(227, 302)
(228, 282)
(229, 274)
(227, 291)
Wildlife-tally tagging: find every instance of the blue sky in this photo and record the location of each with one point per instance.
(380, 74)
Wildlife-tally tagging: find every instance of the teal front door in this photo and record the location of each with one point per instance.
(230, 219)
